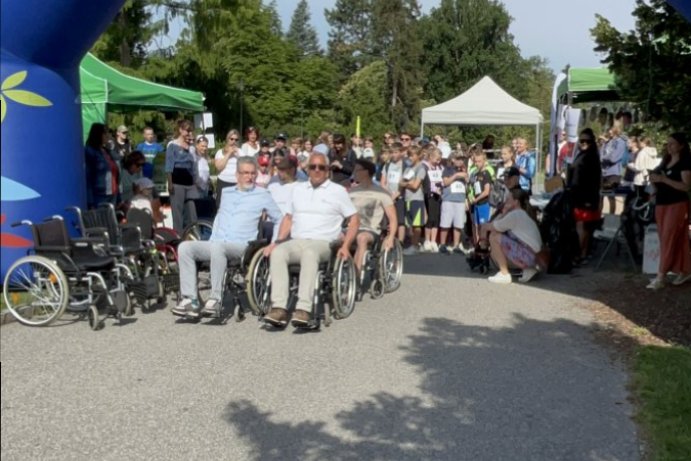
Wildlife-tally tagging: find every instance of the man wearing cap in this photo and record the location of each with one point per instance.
(342, 161)
(313, 220)
(234, 226)
(121, 147)
(280, 145)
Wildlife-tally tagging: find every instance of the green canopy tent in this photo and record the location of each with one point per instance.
(106, 89)
(584, 84)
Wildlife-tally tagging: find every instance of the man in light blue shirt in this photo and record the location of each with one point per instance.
(235, 225)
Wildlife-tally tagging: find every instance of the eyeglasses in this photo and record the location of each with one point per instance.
(317, 167)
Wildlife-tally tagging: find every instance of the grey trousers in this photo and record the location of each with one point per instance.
(217, 253)
(307, 253)
(179, 207)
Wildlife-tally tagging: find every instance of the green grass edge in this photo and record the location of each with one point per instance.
(662, 388)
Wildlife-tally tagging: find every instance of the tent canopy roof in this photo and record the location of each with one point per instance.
(588, 84)
(101, 83)
(485, 103)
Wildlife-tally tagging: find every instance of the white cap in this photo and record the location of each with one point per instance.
(321, 149)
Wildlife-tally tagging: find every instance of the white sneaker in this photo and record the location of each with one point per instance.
(426, 247)
(434, 248)
(527, 275)
(503, 279)
(681, 279)
(656, 284)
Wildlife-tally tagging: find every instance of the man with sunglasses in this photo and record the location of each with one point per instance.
(235, 224)
(313, 219)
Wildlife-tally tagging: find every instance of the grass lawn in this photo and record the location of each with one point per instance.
(662, 385)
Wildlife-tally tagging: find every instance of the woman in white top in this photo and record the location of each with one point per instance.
(646, 159)
(203, 171)
(226, 161)
(250, 148)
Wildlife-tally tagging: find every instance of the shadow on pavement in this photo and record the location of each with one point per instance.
(485, 393)
(665, 313)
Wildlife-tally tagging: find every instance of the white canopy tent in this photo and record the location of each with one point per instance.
(485, 103)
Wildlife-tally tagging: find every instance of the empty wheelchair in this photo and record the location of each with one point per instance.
(334, 293)
(125, 243)
(204, 211)
(62, 274)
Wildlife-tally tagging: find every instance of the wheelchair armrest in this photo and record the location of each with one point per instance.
(258, 242)
(95, 232)
(52, 249)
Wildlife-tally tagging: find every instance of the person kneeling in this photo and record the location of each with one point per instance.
(514, 239)
(234, 226)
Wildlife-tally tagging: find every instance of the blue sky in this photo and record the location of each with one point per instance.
(554, 29)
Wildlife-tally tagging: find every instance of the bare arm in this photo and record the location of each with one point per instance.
(283, 233)
(393, 226)
(351, 232)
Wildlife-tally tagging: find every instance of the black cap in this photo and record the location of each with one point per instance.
(264, 142)
(282, 136)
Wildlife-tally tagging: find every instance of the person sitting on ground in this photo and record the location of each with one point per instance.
(314, 219)
(514, 239)
(373, 202)
(453, 203)
(234, 226)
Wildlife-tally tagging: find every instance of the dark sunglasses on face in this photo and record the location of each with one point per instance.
(317, 167)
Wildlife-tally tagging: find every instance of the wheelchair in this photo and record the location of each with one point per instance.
(335, 286)
(381, 269)
(126, 243)
(235, 283)
(205, 211)
(62, 274)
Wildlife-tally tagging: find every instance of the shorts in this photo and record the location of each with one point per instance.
(583, 215)
(452, 215)
(399, 204)
(517, 252)
(415, 213)
(433, 205)
(610, 182)
(481, 214)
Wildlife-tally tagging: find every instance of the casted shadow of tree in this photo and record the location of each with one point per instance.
(521, 392)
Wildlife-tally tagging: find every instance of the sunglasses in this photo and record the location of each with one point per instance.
(317, 167)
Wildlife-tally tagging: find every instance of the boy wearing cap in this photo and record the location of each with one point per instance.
(121, 146)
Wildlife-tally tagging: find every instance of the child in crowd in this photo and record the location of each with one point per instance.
(143, 198)
(453, 203)
(414, 196)
(264, 173)
(433, 199)
(481, 182)
(391, 180)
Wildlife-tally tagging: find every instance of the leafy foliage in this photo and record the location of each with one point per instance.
(652, 62)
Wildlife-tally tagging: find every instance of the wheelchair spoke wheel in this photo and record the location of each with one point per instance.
(201, 230)
(343, 288)
(259, 284)
(35, 291)
(392, 267)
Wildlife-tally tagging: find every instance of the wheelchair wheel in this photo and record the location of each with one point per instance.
(343, 287)
(36, 290)
(259, 284)
(94, 320)
(201, 230)
(391, 268)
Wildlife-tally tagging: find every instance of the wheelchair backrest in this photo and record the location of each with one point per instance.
(103, 217)
(142, 219)
(205, 208)
(51, 234)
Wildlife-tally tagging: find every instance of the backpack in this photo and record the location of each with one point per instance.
(558, 230)
(497, 193)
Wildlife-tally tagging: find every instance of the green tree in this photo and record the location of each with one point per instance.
(301, 33)
(652, 62)
(364, 94)
(350, 44)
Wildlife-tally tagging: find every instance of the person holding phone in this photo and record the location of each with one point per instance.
(672, 181)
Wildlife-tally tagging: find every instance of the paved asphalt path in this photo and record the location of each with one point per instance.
(449, 367)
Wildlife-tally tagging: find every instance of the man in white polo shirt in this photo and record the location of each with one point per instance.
(312, 220)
